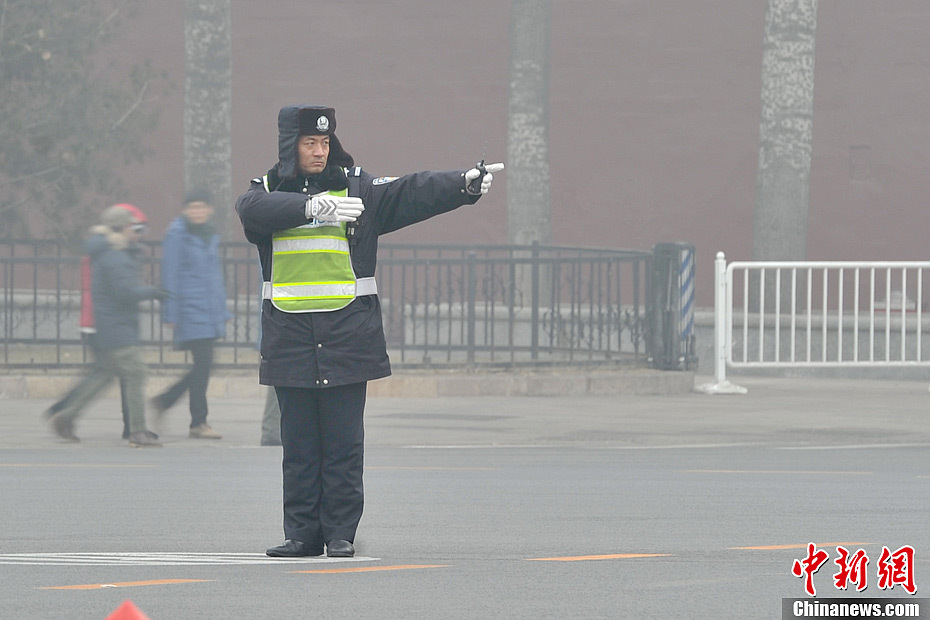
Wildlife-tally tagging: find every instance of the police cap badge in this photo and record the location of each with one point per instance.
(316, 121)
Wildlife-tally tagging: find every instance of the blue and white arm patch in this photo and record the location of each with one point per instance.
(383, 180)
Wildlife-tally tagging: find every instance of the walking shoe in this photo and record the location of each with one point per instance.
(203, 431)
(144, 439)
(64, 428)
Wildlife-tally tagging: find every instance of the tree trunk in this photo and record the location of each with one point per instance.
(783, 182)
(528, 208)
(208, 103)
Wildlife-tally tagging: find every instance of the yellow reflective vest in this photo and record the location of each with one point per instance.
(311, 269)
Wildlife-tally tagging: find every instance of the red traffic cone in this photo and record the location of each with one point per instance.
(127, 611)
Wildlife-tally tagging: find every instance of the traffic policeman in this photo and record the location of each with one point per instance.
(315, 218)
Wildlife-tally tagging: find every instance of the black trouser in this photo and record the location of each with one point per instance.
(323, 434)
(195, 382)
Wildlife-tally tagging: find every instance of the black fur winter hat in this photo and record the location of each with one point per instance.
(301, 120)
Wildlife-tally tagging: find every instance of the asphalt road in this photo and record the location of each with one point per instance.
(687, 506)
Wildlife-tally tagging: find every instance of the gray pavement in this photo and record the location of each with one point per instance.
(620, 506)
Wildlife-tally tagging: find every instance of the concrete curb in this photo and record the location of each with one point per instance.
(408, 384)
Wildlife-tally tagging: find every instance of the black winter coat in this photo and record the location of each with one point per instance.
(323, 349)
(116, 288)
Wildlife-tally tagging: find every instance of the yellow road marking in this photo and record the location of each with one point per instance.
(432, 468)
(125, 584)
(369, 569)
(803, 546)
(779, 471)
(612, 556)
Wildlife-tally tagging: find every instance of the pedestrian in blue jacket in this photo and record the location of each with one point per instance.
(196, 310)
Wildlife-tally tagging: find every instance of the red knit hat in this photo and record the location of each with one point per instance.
(137, 213)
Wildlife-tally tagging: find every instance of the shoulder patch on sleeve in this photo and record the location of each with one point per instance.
(383, 180)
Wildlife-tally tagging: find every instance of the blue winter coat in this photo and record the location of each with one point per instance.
(191, 271)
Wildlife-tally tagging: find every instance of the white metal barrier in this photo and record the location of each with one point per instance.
(816, 314)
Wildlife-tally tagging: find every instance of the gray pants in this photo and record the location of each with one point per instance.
(124, 363)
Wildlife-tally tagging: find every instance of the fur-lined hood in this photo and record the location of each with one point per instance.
(105, 238)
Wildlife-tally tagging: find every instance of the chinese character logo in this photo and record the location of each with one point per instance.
(808, 566)
(851, 569)
(895, 568)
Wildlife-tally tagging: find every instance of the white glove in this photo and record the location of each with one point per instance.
(328, 208)
(474, 173)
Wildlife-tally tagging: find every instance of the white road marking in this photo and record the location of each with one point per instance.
(162, 559)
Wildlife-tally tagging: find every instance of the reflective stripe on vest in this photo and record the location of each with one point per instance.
(318, 250)
(363, 286)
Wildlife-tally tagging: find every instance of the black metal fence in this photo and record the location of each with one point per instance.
(443, 306)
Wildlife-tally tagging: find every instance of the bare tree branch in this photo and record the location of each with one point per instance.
(139, 98)
(66, 125)
(31, 175)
